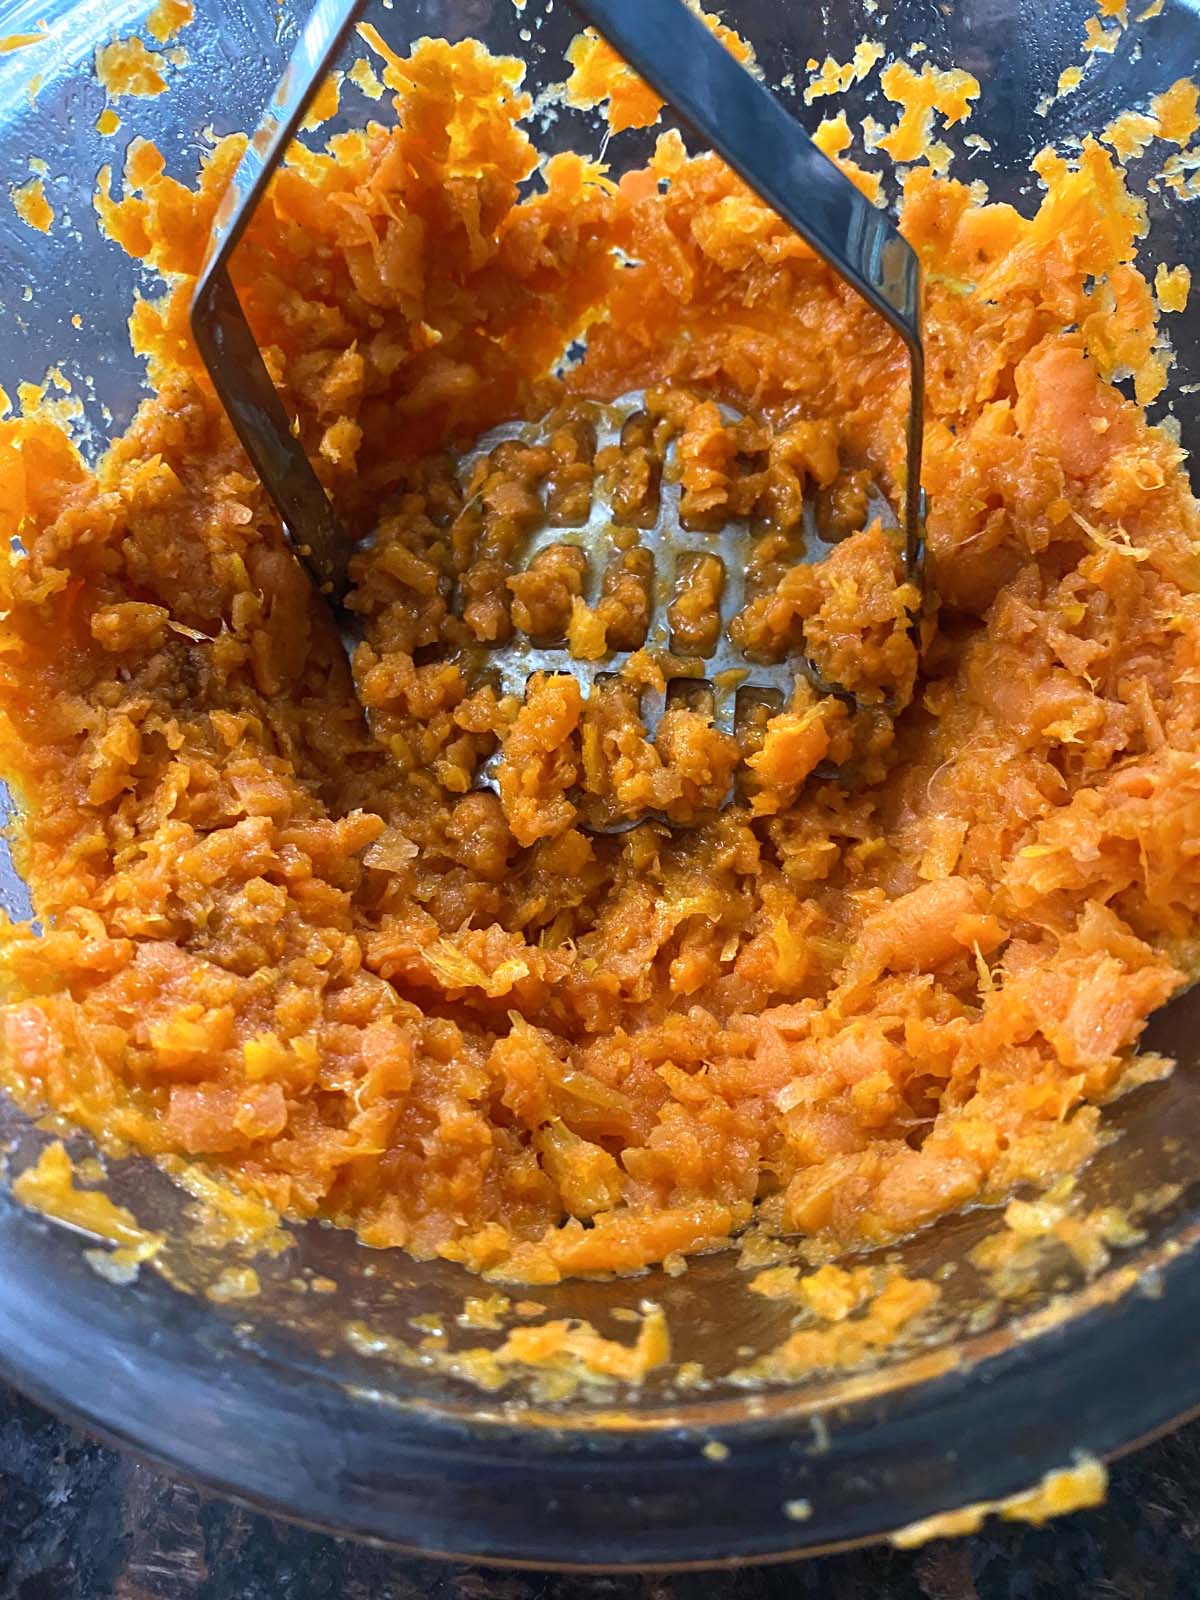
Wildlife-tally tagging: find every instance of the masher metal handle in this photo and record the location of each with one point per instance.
(222, 334)
(709, 90)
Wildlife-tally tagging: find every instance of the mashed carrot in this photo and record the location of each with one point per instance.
(600, 77)
(168, 18)
(291, 941)
(126, 67)
(31, 205)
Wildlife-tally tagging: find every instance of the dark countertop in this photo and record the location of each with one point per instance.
(82, 1522)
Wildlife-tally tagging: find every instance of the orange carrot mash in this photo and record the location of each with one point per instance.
(290, 940)
(31, 205)
(126, 67)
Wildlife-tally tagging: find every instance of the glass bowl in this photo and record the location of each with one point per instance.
(269, 1399)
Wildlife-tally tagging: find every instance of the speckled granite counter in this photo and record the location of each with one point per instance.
(81, 1522)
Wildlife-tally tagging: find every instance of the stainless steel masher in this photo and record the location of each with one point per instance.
(740, 119)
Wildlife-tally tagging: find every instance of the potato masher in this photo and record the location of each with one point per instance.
(741, 120)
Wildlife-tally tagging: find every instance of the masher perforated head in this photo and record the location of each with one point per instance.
(595, 564)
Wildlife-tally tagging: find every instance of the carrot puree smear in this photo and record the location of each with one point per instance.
(290, 940)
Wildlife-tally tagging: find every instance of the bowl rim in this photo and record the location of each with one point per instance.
(164, 1375)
